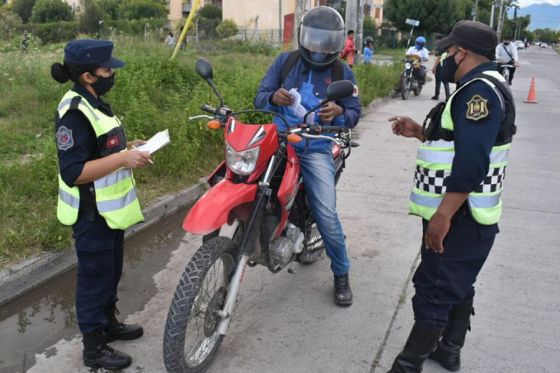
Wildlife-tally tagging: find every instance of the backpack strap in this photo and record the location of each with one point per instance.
(337, 68)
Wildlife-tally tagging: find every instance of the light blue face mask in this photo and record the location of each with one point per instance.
(319, 57)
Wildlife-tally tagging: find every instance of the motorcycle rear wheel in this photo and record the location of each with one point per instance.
(191, 338)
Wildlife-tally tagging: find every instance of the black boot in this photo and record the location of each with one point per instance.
(342, 291)
(420, 343)
(117, 330)
(97, 354)
(448, 350)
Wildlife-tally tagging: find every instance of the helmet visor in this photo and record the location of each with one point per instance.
(322, 41)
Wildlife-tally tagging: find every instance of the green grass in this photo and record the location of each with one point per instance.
(151, 94)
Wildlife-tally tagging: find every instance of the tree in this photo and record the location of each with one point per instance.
(136, 9)
(227, 28)
(51, 11)
(23, 8)
(434, 15)
(110, 7)
(90, 17)
(209, 17)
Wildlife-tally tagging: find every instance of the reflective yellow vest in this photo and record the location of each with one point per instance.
(433, 166)
(115, 194)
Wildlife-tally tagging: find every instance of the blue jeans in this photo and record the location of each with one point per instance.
(318, 171)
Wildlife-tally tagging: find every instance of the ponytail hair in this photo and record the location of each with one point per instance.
(64, 72)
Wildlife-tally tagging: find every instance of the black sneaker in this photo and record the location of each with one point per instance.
(342, 291)
(435, 98)
(97, 354)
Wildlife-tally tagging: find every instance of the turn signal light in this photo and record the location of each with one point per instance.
(293, 138)
(214, 124)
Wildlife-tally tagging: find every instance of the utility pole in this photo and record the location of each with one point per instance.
(359, 30)
(500, 20)
(475, 10)
(298, 15)
(352, 18)
(280, 23)
(492, 14)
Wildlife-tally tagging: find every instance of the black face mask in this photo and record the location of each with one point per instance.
(506, 42)
(103, 85)
(449, 68)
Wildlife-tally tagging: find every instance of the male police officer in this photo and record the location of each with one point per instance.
(310, 70)
(459, 174)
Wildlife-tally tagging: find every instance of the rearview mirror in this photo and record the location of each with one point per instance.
(339, 90)
(204, 69)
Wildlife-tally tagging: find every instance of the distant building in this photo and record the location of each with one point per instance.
(179, 9)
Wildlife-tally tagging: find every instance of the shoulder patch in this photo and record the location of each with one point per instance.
(477, 108)
(64, 139)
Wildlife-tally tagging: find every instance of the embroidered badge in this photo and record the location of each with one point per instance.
(64, 139)
(477, 108)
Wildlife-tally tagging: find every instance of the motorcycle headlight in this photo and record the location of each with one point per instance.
(407, 65)
(242, 163)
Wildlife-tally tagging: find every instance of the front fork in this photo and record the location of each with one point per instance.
(249, 235)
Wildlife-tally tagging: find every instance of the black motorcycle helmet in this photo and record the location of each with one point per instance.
(321, 36)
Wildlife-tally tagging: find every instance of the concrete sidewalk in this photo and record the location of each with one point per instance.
(288, 322)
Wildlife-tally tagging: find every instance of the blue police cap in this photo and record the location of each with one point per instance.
(91, 52)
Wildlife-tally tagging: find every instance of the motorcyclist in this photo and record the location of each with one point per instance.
(506, 54)
(310, 70)
(419, 49)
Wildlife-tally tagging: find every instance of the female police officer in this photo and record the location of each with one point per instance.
(97, 196)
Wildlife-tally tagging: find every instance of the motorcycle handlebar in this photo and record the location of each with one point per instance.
(207, 108)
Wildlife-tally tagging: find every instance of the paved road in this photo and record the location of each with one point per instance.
(288, 322)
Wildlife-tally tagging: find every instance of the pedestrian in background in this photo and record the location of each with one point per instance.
(170, 40)
(25, 41)
(368, 51)
(437, 71)
(96, 195)
(349, 52)
(459, 176)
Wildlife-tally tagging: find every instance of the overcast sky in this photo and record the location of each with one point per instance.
(524, 3)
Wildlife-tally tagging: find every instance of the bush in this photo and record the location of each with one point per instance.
(90, 17)
(23, 8)
(209, 17)
(51, 11)
(137, 9)
(55, 31)
(135, 26)
(226, 29)
(10, 24)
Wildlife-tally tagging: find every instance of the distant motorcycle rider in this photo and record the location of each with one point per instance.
(419, 49)
(506, 54)
(309, 71)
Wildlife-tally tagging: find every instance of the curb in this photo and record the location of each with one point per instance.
(33, 272)
(372, 106)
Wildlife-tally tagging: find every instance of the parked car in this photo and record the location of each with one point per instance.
(519, 44)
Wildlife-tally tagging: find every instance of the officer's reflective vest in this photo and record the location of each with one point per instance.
(433, 166)
(115, 194)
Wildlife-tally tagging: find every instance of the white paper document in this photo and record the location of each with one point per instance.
(158, 141)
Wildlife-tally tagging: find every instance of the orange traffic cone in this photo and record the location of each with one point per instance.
(532, 98)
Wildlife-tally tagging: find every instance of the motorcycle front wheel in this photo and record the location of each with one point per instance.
(405, 86)
(191, 338)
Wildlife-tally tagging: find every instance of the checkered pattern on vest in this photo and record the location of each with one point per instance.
(433, 181)
(493, 181)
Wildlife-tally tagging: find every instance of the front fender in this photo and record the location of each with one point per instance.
(211, 211)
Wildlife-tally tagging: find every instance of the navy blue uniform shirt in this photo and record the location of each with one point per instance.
(474, 139)
(83, 143)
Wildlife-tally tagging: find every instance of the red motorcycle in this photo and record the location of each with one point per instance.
(259, 192)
